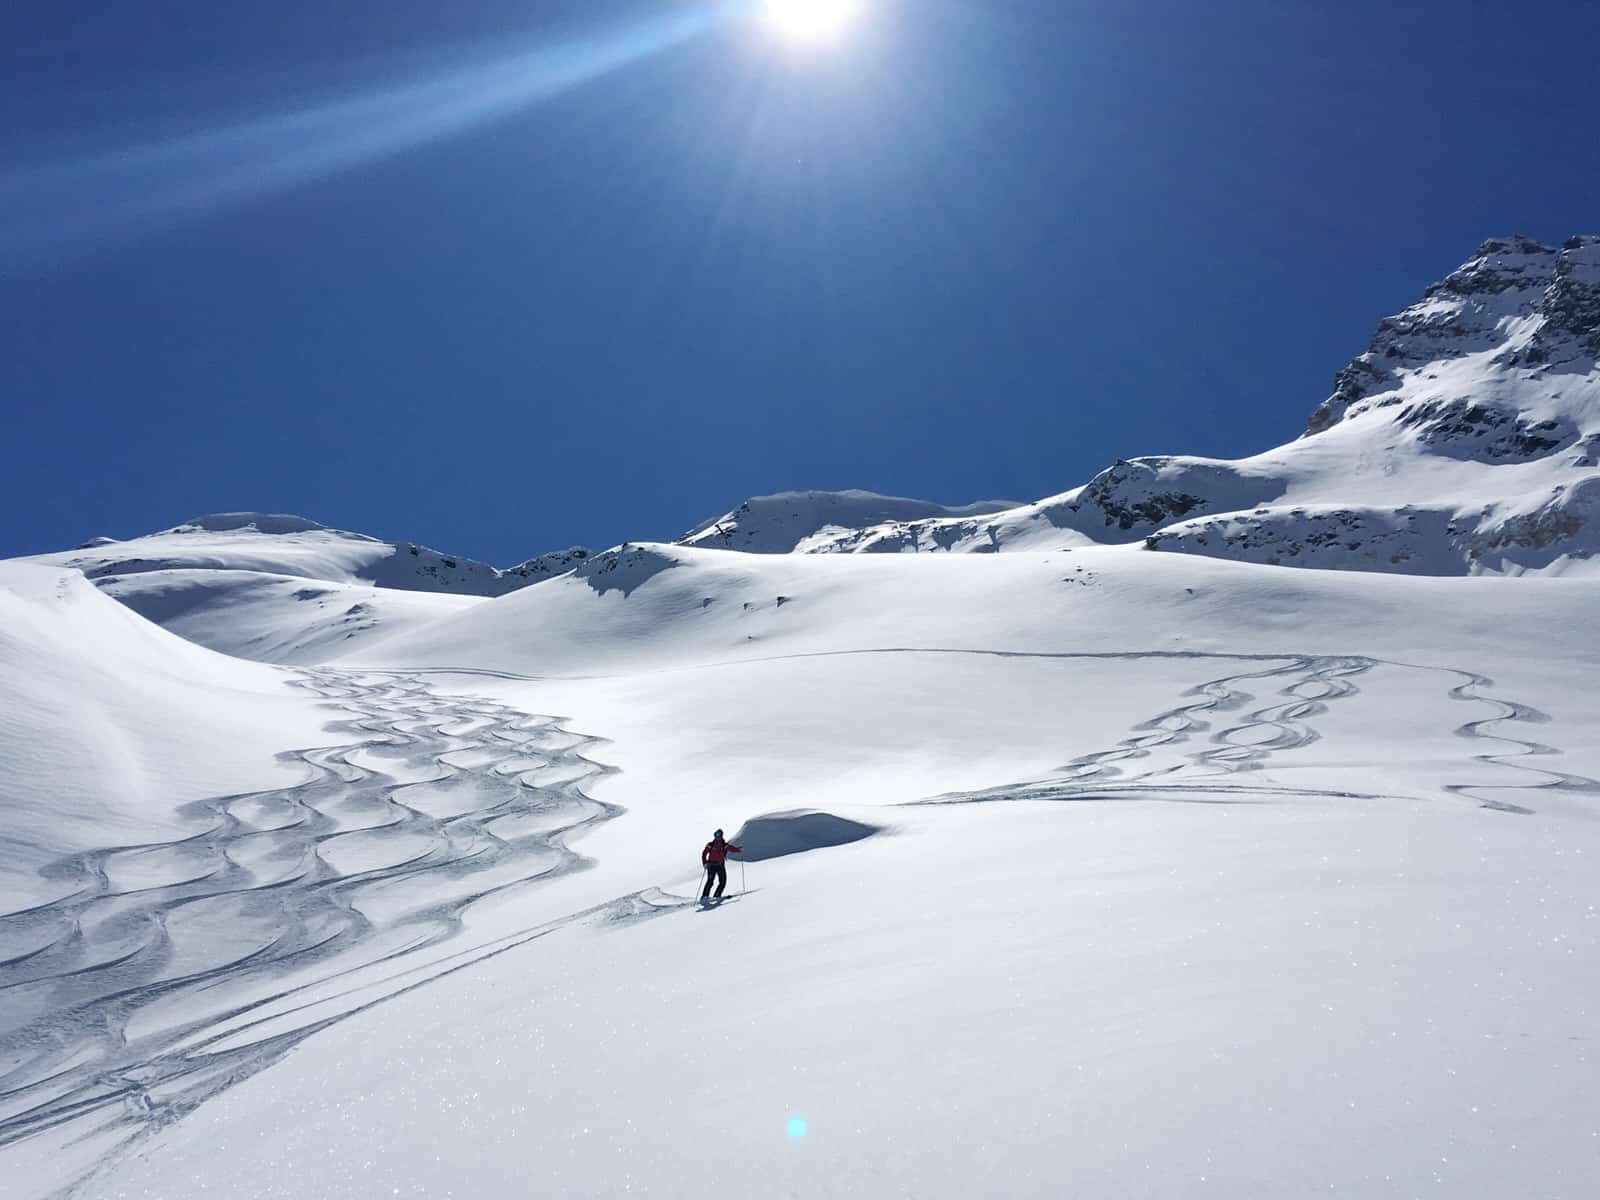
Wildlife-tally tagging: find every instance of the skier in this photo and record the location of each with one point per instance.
(714, 859)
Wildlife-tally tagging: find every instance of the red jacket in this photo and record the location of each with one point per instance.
(716, 852)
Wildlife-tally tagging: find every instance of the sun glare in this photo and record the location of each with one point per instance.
(810, 19)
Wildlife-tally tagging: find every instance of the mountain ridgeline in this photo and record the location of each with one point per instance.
(1464, 440)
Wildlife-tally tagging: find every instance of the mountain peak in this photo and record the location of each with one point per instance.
(1572, 302)
(1517, 302)
(1465, 440)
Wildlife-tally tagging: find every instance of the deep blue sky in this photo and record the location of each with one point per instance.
(980, 248)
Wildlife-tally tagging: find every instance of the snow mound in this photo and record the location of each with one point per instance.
(779, 834)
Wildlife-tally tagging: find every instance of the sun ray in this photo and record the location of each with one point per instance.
(52, 209)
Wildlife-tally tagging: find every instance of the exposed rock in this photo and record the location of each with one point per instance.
(1484, 431)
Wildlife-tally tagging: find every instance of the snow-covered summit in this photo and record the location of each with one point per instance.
(1465, 440)
(802, 521)
(1523, 303)
(283, 544)
(283, 588)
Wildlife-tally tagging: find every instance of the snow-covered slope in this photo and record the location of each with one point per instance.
(288, 590)
(1465, 440)
(286, 619)
(278, 544)
(109, 726)
(1177, 854)
(1177, 859)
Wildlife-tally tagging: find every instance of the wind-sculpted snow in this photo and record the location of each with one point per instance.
(171, 970)
(1162, 758)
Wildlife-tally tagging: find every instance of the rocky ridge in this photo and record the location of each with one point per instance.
(1464, 440)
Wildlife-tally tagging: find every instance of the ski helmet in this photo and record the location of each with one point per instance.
(718, 833)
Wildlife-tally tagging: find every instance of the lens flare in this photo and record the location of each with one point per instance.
(49, 210)
(811, 20)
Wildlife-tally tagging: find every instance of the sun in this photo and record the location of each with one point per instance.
(810, 20)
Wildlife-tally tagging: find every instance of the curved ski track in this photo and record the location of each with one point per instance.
(1315, 682)
(175, 969)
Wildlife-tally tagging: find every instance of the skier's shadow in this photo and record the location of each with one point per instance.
(716, 902)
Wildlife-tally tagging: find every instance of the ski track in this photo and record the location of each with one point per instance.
(174, 970)
(1316, 681)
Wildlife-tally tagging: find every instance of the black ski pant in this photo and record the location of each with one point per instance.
(718, 872)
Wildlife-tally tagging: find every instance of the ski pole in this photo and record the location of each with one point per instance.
(742, 888)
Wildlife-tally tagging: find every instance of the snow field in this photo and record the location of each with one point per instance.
(1135, 998)
(1192, 874)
